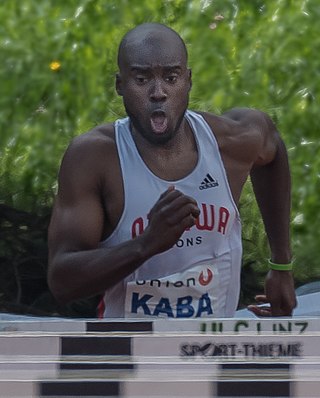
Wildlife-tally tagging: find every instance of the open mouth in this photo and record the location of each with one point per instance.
(159, 121)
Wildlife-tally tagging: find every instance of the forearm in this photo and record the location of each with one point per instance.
(78, 268)
(79, 274)
(272, 187)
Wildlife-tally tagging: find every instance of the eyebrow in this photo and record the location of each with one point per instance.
(145, 68)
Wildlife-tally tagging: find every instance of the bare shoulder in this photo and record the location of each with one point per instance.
(239, 121)
(91, 148)
(247, 133)
(98, 141)
(252, 119)
(88, 158)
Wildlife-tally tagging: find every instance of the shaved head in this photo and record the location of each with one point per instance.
(153, 35)
(154, 81)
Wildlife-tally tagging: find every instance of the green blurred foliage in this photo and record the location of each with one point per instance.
(255, 53)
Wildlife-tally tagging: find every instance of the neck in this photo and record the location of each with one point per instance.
(171, 161)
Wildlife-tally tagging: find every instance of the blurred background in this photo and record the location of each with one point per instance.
(58, 62)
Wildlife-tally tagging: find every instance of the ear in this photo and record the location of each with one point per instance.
(118, 84)
(190, 78)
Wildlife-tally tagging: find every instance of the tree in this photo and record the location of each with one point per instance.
(58, 81)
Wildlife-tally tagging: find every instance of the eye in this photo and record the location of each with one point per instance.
(171, 78)
(141, 79)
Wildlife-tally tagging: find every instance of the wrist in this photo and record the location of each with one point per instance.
(281, 256)
(147, 246)
(288, 266)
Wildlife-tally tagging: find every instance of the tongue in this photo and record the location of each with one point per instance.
(159, 123)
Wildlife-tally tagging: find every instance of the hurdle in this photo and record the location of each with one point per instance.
(160, 358)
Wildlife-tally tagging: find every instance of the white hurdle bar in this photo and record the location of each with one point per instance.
(160, 358)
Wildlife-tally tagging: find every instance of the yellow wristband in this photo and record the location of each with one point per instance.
(280, 267)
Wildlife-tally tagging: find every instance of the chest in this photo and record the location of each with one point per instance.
(209, 172)
(171, 168)
(139, 189)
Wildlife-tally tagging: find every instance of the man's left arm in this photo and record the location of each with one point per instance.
(272, 186)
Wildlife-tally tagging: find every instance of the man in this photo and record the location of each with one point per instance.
(146, 211)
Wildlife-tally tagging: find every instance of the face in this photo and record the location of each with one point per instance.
(154, 82)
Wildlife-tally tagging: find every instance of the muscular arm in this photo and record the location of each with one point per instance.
(78, 267)
(271, 182)
(270, 176)
(272, 188)
(267, 160)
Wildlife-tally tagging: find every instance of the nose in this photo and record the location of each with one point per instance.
(157, 92)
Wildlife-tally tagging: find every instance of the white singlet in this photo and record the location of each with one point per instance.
(200, 275)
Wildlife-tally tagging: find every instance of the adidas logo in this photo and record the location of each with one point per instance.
(208, 182)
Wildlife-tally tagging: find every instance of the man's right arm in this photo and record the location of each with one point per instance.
(78, 267)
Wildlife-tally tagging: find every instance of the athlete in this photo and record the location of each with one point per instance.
(146, 211)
